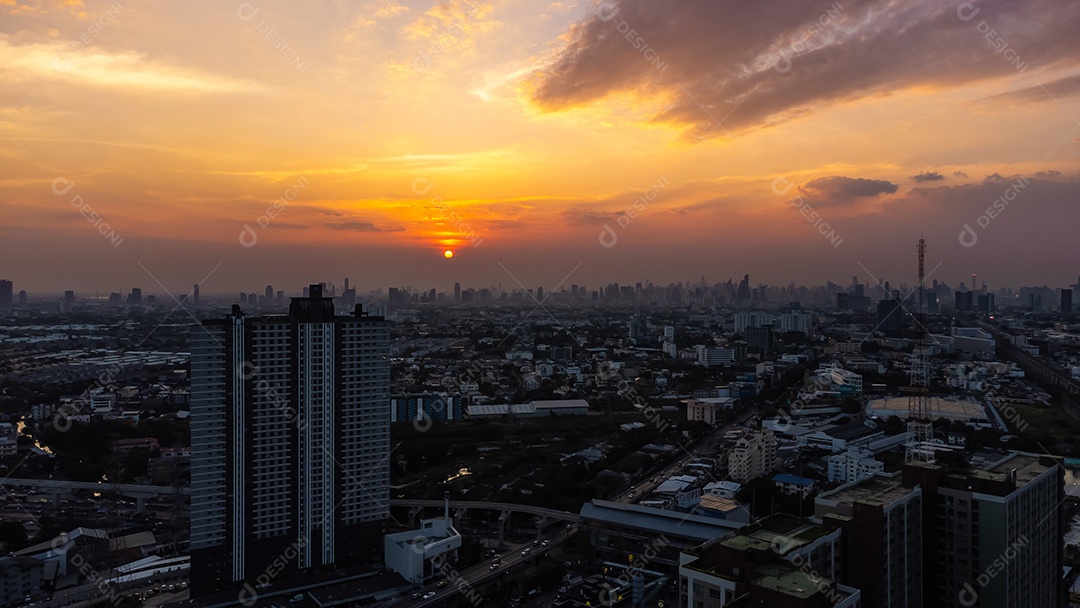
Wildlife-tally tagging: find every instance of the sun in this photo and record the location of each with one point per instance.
(448, 254)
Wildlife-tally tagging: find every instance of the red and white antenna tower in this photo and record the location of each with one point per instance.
(920, 426)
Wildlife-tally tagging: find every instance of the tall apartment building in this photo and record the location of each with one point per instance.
(881, 521)
(6, 288)
(290, 441)
(753, 456)
(994, 535)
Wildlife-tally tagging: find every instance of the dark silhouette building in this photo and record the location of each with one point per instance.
(290, 419)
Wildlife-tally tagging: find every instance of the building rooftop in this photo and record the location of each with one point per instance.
(1027, 467)
(790, 581)
(879, 490)
(657, 521)
(783, 532)
(793, 479)
(952, 409)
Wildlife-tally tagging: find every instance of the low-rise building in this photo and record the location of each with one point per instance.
(754, 455)
(852, 465)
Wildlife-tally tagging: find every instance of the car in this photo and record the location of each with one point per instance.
(526, 551)
(442, 583)
(429, 595)
(536, 542)
(416, 595)
(494, 567)
(496, 558)
(545, 543)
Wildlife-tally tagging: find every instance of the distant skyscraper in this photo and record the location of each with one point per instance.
(5, 293)
(1066, 301)
(135, 297)
(269, 293)
(22, 297)
(290, 440)
(457, 292)
(195, 294)
(743, 294)
(69, 296)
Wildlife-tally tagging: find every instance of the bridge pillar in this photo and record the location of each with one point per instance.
(504, 519)
(140, 504)
(541, 523)
(413, 512)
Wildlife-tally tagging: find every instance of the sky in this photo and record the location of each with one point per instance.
(163, 144)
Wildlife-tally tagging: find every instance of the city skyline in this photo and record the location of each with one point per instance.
(589, 140)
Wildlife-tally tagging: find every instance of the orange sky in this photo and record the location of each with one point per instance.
(138, 141)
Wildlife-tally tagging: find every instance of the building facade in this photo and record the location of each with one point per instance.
(290, 441)
(753, 456)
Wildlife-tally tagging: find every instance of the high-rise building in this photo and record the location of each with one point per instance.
(135, 297)
(890, 315)
(268, 293)
(1066, 301)
(992, 535)
(290, 421)
(881, 520)
(22, 297)
(5, 293)
(743, 294)
(457, 292)
(195, 294)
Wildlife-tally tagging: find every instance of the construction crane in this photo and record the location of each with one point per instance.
(919, 424)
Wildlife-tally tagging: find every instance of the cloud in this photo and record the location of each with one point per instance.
(362, 227)
(98, 68)
(928, 176)
(756, 64)
(1050, 92)
(959, 174)
(837, 189)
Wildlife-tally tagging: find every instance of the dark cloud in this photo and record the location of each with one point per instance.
(959, 174)
(1050, 173)
(362, 227)
(575, 215)
(754, 64)
(928, 176)
(838, 189)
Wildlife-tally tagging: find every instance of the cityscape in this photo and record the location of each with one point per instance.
(565, 304)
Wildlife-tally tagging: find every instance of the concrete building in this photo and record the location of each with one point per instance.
(20, 578)
(852, 465)
(778, 561)
(417, 554)
(798, 322)
(707, 409)
(9, 439)
(425, 407)
(290, 437)
(754, 455)
(793, 484)
(992, 536)
(832, 377)
(881, 521)
(744, 320)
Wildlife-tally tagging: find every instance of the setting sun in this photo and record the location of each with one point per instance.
(448, 254)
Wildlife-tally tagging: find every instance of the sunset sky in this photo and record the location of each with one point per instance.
(795, 141)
